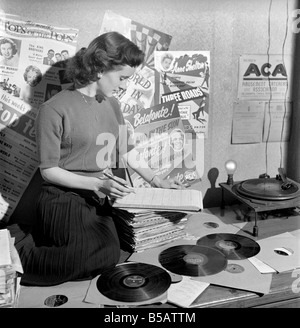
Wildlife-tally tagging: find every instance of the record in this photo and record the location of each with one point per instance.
(267, 189)
(192, 260)
(233, 246)
(133, 282)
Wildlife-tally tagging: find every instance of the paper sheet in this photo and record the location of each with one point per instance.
(185, 292)
(247, 122)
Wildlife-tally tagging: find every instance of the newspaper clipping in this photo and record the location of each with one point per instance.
(32, 65)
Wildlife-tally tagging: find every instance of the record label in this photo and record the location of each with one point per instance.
(133, 282)
(233, 246)
(234, 268)
(192, 260)
(195, 258)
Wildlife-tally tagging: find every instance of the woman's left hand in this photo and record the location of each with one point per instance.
(172, 184)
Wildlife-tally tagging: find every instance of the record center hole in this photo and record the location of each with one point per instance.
(283, 251)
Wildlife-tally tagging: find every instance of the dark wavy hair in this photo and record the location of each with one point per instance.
(103, 54)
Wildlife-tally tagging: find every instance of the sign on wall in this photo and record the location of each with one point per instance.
(264, 77)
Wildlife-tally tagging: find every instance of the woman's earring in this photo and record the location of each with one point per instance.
(99, 75)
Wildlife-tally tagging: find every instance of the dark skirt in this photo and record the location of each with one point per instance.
(75, 238)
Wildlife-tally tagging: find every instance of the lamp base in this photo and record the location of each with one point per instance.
(230, 179)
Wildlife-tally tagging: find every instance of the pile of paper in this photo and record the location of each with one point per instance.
(143, 229)
(10, 265)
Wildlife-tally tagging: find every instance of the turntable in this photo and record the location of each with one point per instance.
(264, 194)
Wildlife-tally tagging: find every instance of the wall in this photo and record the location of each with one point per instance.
(227, 28)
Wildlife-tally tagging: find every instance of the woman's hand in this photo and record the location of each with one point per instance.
(173, 183)
(116, 188)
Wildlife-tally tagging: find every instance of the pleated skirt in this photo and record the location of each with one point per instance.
(75, 238)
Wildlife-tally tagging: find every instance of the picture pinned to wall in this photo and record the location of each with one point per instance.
(247, 122)
(26, 83)
(277, 121)
(140, 90)
(184, 77)
(159, 137)
(261, 121)
(264, 77)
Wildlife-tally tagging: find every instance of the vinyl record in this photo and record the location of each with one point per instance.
(267, 189)
(133, 282)
(234, 247)
(192, 260)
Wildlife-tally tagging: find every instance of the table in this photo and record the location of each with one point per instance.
(284, 292)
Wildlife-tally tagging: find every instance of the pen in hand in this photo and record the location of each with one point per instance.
(110, 176)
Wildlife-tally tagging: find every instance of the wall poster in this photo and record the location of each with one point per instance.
(142, 98)
(31, 71)
(264, 77)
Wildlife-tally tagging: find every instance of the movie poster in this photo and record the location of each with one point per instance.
(159, 137)
(184, 77)
(32, 65)
(140, 91)
(142, 96)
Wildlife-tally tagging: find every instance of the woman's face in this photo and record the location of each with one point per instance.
(166, 63)
(32, 78)
(6, 50)
(112, 82)
(177, 141)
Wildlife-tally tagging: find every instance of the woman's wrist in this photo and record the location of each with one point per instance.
(155, 181)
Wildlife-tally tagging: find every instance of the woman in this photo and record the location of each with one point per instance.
(9, 52)
(32, 77)
(78, 135)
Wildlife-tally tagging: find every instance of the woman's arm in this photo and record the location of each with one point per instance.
(61, 177)
(139, 165)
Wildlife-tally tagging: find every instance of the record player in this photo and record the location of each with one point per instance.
(264, 193)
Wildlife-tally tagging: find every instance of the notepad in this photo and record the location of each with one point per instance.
(162, 199)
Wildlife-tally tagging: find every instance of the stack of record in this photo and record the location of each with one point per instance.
(144, 229)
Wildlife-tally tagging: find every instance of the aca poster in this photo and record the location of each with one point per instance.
(32, 58)
(264, 77)
(184, 77)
